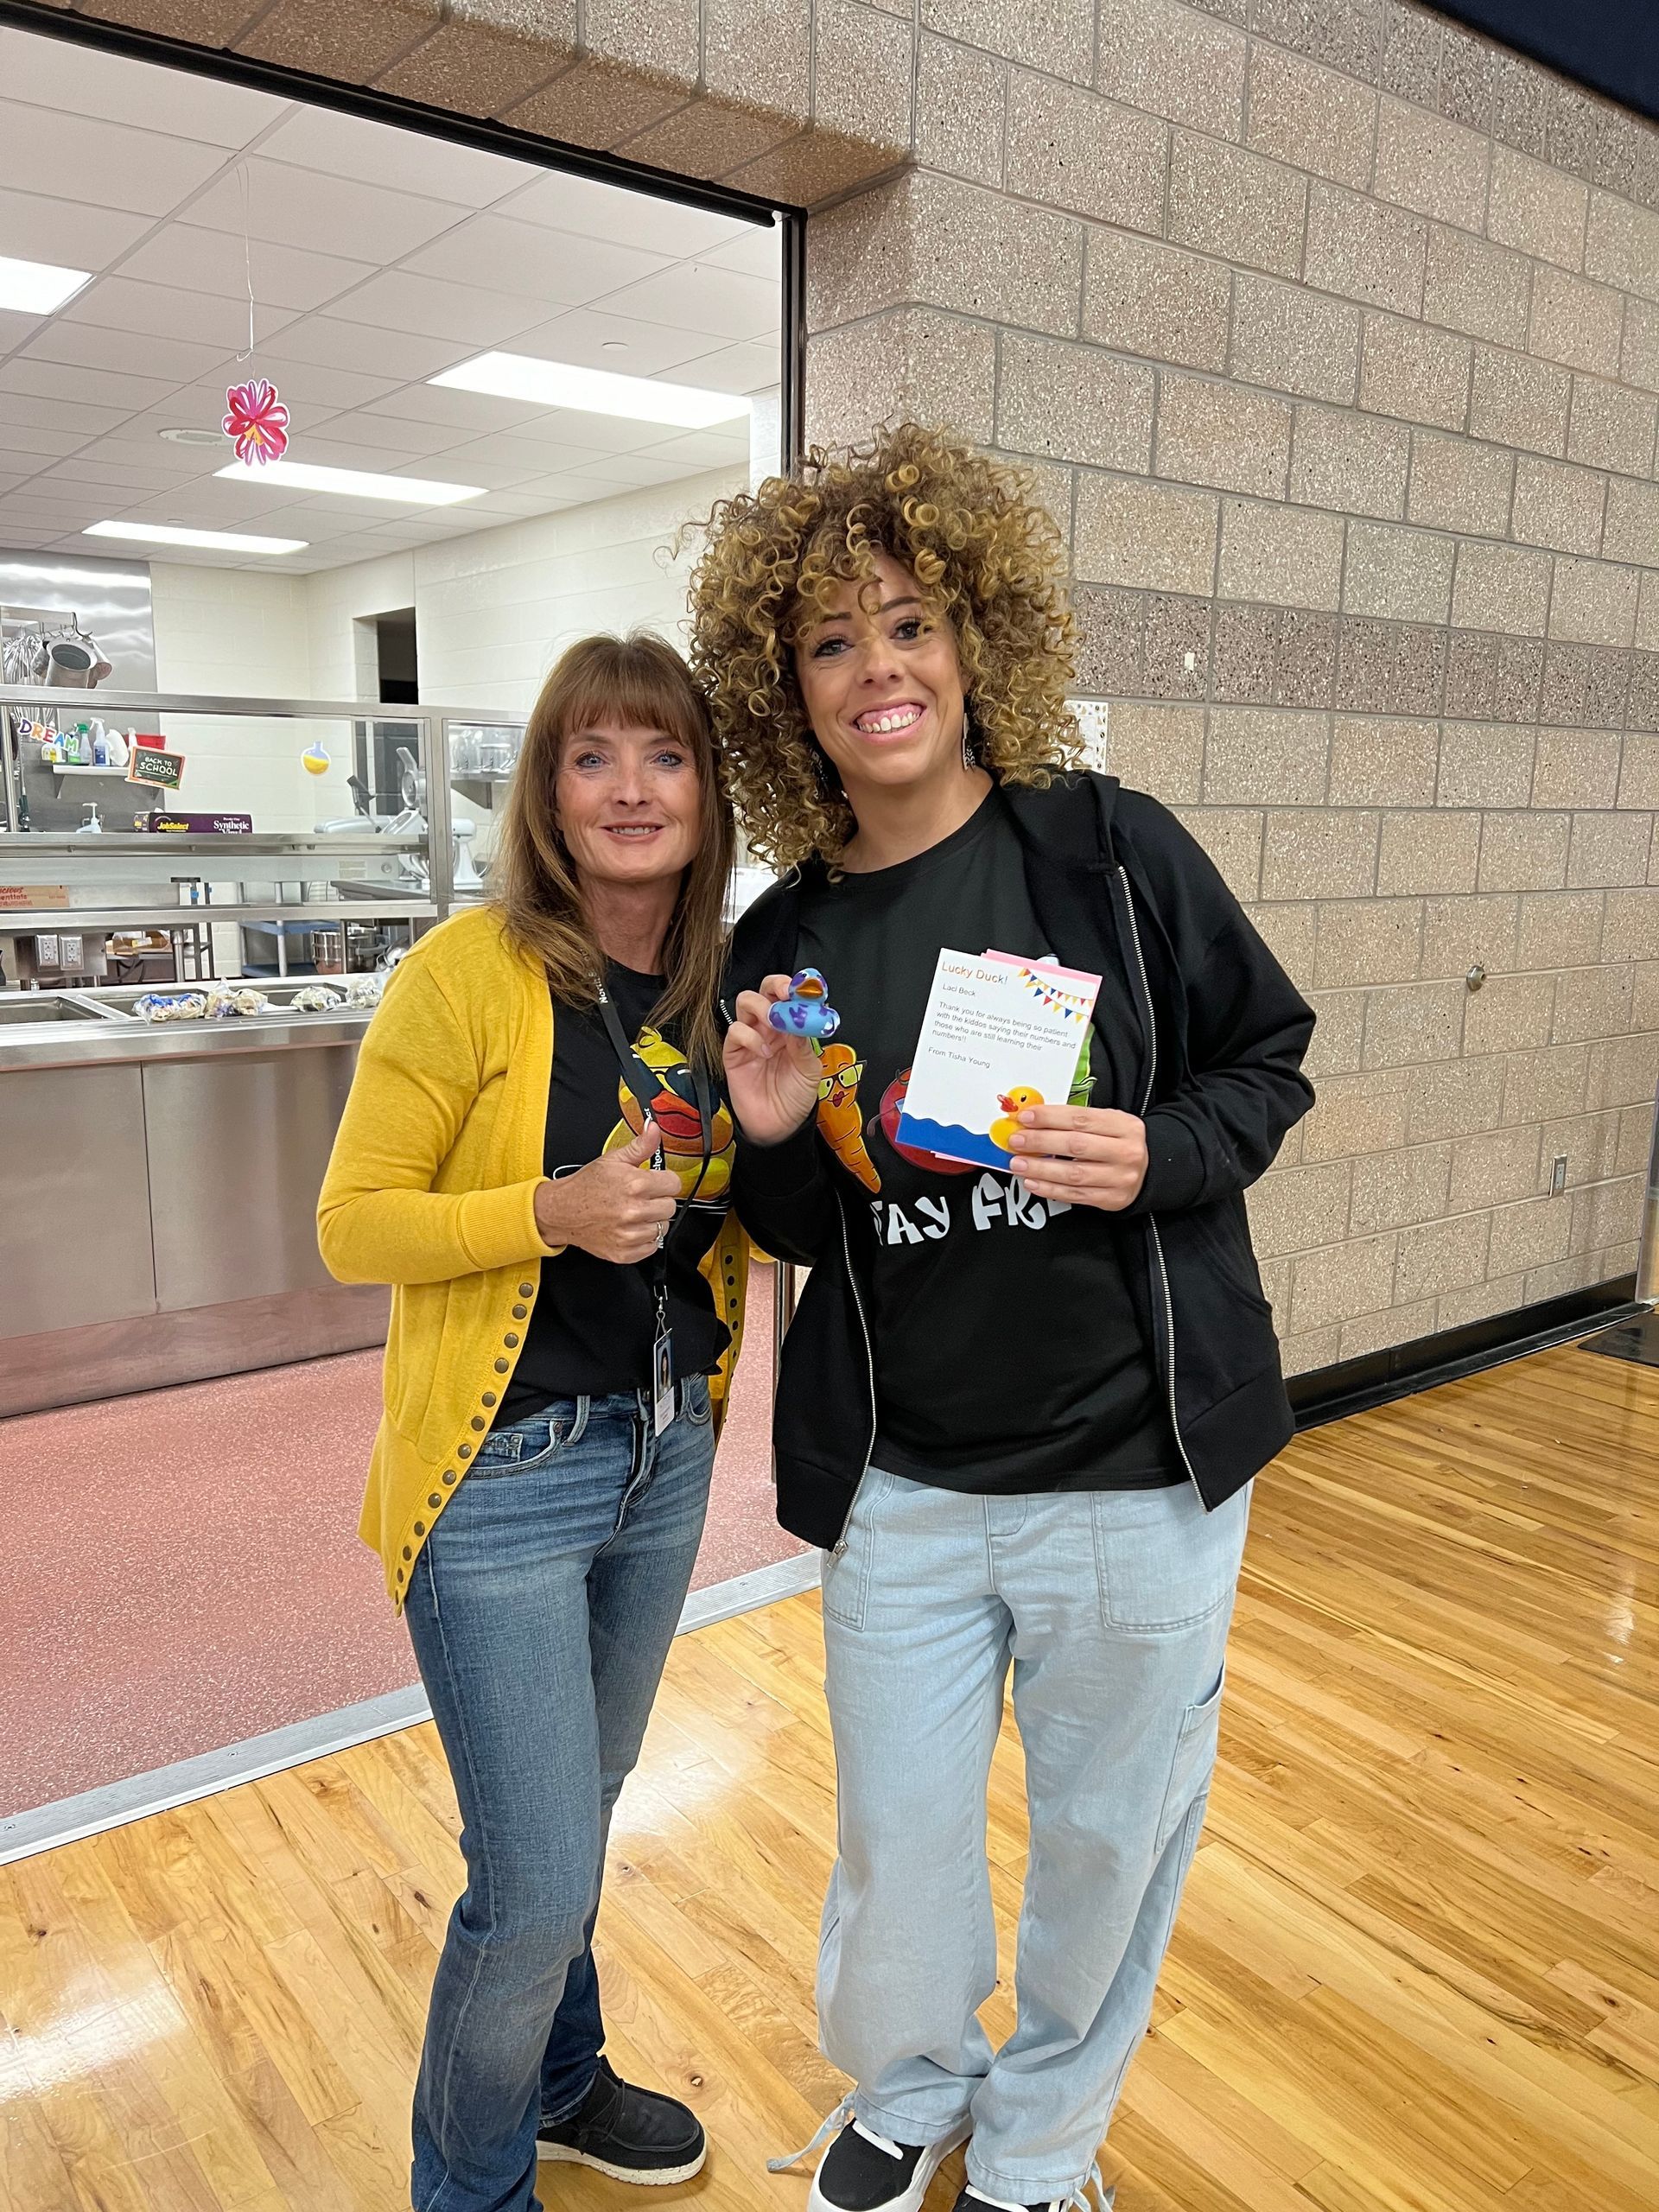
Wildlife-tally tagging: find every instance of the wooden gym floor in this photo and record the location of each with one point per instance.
(1417, 1969)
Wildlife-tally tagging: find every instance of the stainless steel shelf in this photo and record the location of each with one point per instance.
(93, 921)
(70, 845)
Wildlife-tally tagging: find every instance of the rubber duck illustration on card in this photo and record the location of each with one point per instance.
(1014, 1104)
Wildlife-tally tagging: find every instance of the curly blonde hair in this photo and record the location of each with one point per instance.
(989, 562)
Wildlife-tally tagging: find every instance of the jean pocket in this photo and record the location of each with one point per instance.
(846, 1577)
(695, 1403)
(1165, 1564)
(531, 1442)
(1193, 1764)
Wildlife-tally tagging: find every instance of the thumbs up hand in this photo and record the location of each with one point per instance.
(616, 1207)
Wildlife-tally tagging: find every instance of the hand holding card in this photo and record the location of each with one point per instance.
(1001, 1038)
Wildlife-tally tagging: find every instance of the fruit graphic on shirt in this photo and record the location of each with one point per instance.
(674, 1109)
(1014, 1104)
(892, 1105)
(840, 1123)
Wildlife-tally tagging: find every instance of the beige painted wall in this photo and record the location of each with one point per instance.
(1331, 332)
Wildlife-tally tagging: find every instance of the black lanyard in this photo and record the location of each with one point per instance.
(644, 1082)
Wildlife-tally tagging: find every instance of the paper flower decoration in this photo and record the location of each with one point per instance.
(255, 422)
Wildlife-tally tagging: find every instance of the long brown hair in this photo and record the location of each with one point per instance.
(640, 682)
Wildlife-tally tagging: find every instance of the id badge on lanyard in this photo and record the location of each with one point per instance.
(641, 1082)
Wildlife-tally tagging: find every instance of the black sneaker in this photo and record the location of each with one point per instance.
(630, 2134)
(863, 2171)
(974, 2200)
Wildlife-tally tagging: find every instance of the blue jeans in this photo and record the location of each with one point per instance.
(540, 1611)
(1112, 1608)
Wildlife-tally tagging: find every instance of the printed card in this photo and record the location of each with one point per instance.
(999, 1034)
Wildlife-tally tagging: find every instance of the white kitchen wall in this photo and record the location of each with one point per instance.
(243, 634)
(493, 610)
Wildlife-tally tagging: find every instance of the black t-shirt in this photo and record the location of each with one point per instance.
(1007, 1356)
(595, 1322)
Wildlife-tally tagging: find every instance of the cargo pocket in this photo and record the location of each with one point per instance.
(1193, 1764)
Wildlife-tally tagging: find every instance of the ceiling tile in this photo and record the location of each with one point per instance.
(588, 337)
(467, 411)
(169, 311)
(694, 296)
(33, 228)
(746, 368)
(116, 88)
(756, 252)
(591, 209)
(634, 468)
(102, 473)
(379, 153)
(17, 329)
(593, 433)
(704, 449)
(23, 437)
(87, 346)
(213, 261)
(297, 207)
(96, 387)
(80, 158)
(386, 440)
(300, 384)
(326, 341)
(29, 409)
(528, 456)
(550, 266)
(433, 309)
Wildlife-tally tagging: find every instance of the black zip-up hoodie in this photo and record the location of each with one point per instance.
(1198, 1031)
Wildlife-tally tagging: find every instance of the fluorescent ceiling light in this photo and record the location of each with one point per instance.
(38, 287)
(352, 483)
(592, 392)
(217, 541)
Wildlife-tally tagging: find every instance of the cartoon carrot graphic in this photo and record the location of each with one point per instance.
(839, 1119)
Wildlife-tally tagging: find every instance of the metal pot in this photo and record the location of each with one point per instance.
(73, 663)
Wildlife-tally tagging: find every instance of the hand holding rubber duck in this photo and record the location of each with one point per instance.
(771, 1073)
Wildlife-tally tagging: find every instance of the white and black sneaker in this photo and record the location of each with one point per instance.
(631, 2134)
(862, 2172)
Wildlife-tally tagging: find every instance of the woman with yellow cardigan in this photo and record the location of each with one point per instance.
(566, 1298)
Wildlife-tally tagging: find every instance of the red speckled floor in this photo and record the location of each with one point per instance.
(182, 1568)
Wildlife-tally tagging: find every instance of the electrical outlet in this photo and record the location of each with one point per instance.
(1558, 1176)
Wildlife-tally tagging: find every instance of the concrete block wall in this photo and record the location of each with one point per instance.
(1331, 332)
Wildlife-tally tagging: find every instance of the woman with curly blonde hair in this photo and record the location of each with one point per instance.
(1021, 1412)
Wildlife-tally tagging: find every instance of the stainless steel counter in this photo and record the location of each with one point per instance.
(158, 1187)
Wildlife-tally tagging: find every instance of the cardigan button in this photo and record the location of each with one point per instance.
(502, 1365)
(510, 1339)
(449, 1475)
(407, 1552)
(526, 1290)
(489, 1397)
(520, 1311)
(479, 1421)
(436, 1498)
(400, 1574)
(420, 1528)
(463, 1451)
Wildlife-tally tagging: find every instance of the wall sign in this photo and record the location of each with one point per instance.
(150, 764)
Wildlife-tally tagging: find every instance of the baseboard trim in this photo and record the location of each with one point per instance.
(23, 1835)
(1328, 1394)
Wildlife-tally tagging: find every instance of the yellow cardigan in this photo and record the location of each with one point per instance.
(431, 1188)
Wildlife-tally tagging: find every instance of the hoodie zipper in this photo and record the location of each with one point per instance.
(870, 1355)
(1150, 1017)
